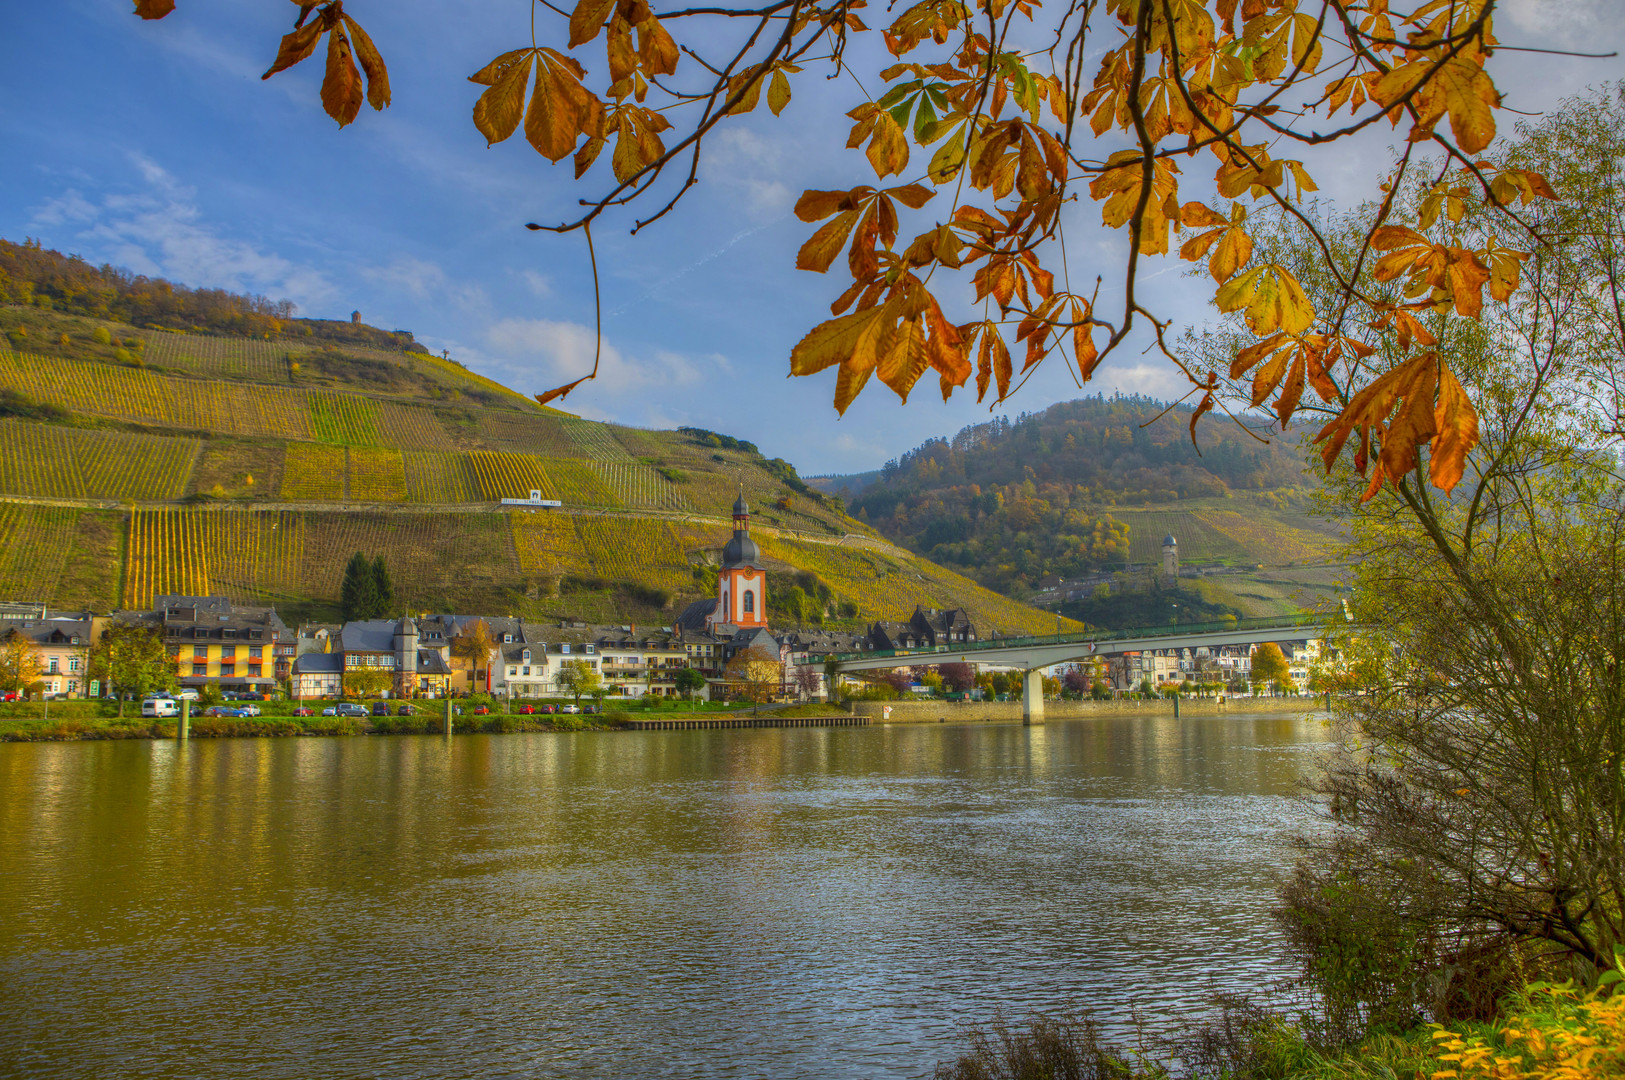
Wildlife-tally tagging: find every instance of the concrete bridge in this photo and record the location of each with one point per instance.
(1032, 654)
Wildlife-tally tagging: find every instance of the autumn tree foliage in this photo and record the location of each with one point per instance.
(1198, 121)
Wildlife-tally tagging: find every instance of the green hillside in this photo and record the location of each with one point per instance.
(137, 461)
(1091, 487)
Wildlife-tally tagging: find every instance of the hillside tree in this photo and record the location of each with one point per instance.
(578, 677)
(358, 593)
(1202, 120)
(383, 589)
(132, 660)
(19, 663)
(1270, 666)
(474, 645)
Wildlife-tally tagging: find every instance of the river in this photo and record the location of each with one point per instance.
(802, 903)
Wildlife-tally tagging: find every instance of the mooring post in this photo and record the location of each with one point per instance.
(1032, 696)
(1176, 706)
(448, 718)
(184, 729)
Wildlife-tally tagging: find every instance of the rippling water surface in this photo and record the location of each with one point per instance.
(795, 903)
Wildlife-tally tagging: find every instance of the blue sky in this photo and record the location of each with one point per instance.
(155, 146)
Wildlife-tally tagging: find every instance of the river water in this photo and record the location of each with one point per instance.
(820, 903)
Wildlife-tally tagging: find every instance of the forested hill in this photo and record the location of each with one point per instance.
(1083, 486)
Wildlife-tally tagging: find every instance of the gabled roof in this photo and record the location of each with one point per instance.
(368, 636)
(697, 614)
(319, 663)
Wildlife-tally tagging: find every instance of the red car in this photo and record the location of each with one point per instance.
(526, 710)
(302, 711)
(482, 710)
(549, 710)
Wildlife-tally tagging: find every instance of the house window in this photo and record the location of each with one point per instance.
(200, 669)
(525, 656)
(73, 663)
(228, 633)
(512, 672)
(73, 686)
(228, 654)
(255, 651)
(589, 650)
(527, 671)
(199, 652)
(565, 649)
(750, 601)
(51, 669)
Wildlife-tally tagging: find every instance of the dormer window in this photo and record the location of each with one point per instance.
(565, 648)
(507, 639)
(588, 647)
(525, 656)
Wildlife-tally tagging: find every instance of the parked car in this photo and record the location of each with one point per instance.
(380, 708)
(526, 710)
(591, 709)
(549, 710)
(572, 709)
(482, 710)
(404, 710)
(351, 708)
(331, 710)
(153, 706)
(217, 710)
(186, 693)
(302, 711)
(248, 709)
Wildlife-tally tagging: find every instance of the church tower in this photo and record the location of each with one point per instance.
(742, 581)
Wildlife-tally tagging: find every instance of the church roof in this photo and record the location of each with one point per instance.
(739, 505)
(741, 551)
(1169, 539)
(694, 616)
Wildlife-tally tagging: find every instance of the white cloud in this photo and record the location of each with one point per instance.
(427, 282)
(538, 352)
(743, 161)
(540, 285)
(159, 230)
(1576, 24)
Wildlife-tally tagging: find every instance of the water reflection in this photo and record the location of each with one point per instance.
(799, 903)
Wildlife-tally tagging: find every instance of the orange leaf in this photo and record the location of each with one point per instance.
(371, 63)
(498, 111)
(154, 9)
(295, 47)
(1457, 425)
(587, 19)
(850, 341)
(822, 247)
(341, 87)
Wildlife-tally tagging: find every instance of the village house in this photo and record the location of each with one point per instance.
(214, 642)
(60, 642)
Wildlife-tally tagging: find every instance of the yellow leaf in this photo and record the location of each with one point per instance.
(587, 19)
(499, 109)
(821, 248)
(904, 359)
(1231, 255)
(851, 341)
(1457, 425)
(912, 196)
(295, 47)
(656, 48)
(371, 63)
(341, 86)
(778, 93)
(1470, 97)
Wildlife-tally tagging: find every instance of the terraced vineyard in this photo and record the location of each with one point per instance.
(635, 549)
(376, 475)
(509, 476)
(344, 419)
(311, 472)
(578, 484)
(56, 462)
(34, 550)
(218, 357)
(546, 543)
(1215, 531)
(167, 556)
(594, 441)
(440, 478)
(636, 484)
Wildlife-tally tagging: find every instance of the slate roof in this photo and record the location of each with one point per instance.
(319, 663)
(695, 616)
(368, 636)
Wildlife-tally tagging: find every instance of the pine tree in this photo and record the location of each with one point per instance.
(384, 590)
(358, 596)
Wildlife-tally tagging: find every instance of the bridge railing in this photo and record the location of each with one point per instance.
(1277, 622)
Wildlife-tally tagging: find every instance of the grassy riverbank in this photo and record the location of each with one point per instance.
(72, 721)
(1546, 1032)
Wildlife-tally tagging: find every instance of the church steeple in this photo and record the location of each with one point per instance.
(742, 581)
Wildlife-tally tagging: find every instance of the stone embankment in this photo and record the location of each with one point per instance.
(961, 712)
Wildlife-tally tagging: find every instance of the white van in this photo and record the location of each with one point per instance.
(160, 707)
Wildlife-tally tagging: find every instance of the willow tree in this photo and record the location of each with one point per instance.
(1201, 120)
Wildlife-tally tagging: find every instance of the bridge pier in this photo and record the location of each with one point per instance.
(1032, 696)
